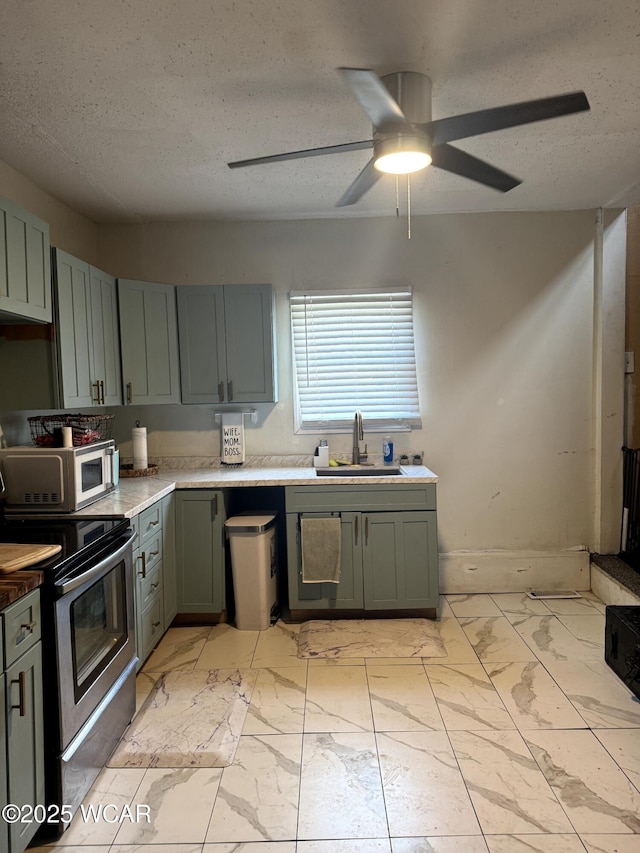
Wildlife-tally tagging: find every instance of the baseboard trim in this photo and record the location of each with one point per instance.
(513, 571)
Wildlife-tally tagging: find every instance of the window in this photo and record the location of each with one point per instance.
(354, 350)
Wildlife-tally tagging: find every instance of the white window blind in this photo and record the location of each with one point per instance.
(354, 350)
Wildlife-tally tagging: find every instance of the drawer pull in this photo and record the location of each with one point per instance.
(153, 554)
(155, 625)
(96, 385)
(155, 585)
(29, 626)
(221, 391)
(143, 573)
(21, 681)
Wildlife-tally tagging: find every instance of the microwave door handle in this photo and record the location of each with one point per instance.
(112, 465)
(95, 572)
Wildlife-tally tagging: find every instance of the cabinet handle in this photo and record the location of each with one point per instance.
(230, 387)
(155, 624)
(215, 506)
(29, 626)
(129, 393)
(21, 681)
(155, 585)
(221, 391)
(366, 530)
(102, 392)
(96, 385)
(153, 553)
(143, 573)
(356, 542)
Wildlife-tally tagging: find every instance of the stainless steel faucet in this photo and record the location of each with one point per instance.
(358, 436)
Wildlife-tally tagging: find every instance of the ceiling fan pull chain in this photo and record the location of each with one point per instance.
(408, 207)
(397, 197)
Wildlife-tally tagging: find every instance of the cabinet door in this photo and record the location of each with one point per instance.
(341, 596)
(25, 264)
(149, 342)
(400, 555)
(248, 312)
(203, 360)
(25, 748)
(105, 362)
(4, 828)
(74, 341)
(200, 551)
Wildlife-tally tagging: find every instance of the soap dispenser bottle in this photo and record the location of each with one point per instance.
(321, 456)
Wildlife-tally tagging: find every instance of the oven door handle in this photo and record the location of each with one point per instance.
(96, 571)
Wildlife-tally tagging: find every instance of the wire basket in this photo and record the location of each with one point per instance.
(46, 430)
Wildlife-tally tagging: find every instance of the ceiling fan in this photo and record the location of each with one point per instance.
(405, 139)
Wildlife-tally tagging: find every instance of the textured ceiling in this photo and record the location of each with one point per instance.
(130, 111)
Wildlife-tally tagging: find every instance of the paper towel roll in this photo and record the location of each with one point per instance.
(67, 437)
(139, 439)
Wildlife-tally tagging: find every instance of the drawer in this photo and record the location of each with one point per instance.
(355, 498)
(149, 586)
(150, 521)
(22, 626)
(149, 553)
(151, 626)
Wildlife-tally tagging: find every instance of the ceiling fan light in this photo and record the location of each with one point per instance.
(398, 155)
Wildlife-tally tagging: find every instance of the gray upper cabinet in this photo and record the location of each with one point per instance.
(87, 335)
(227, 343)
(25, 265)
(149, 342)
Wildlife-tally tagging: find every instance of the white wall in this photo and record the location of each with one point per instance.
(504, 336)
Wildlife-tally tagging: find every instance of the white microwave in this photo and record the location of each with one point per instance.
(57, 479)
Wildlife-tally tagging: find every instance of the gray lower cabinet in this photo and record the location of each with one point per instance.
(200, 517)
(389, 548)
(154, 567)
(25, 265)
(23, 718)
(227, 343)
(87, 336)
(149, 342)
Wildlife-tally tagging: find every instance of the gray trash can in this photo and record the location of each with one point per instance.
(252, 539)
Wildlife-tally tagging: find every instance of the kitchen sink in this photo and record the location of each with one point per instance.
(359, 471)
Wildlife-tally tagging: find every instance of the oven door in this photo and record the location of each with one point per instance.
(95, 637)
(94, 474)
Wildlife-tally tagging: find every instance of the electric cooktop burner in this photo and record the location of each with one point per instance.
(80, 538)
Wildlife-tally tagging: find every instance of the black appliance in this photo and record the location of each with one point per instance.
(622, 643)
(88, 647)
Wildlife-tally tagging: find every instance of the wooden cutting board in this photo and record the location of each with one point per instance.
(14, 557)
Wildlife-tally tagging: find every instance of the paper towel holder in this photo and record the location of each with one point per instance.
(249, 413)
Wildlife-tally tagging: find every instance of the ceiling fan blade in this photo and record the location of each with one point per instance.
(460, 163)
(307, 152)
(362, 184)
(498, 118)
(374, 98)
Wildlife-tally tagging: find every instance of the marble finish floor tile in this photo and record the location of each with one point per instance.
(532, 697)
(179, 649)
(610, 843)
(519, 602)
(623, 745)
(338, 700)
(494, 640)
(117, 787)
(191, 719)
(402, 699)
(466, 698)
(278, 647)
(423, 788)
(508, 791)
(589, 628)
(370, 638)
(551, 641)
(340, 789)
(457, 647)
(148, 848)
(444, 608)
(258, 796)
(593, 599)
(440, 844)
(599, 696)
(573, 606)
(340, 661)
(594, 792)
(277, 702)
(227, 648)
(346, 845)
(566, 843)
(172, 794)
(473, 605)
(245, 847)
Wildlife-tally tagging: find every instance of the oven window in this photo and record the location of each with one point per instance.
(98, 628)
(91, 474)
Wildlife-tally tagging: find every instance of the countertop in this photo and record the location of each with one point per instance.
(135, 494)
(17, 584)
